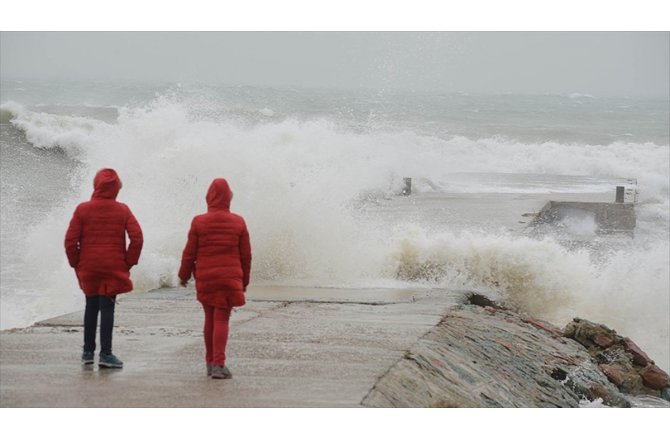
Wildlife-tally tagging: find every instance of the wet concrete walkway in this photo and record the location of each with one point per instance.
(289, 347)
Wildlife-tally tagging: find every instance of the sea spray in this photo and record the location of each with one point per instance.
(631, 294)
(627, 288)
(299, 182)
(539, 277)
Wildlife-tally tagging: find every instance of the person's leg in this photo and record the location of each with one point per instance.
(221, 318)
(208, 331)
(90, 322)
(107, 359)
(90, 329)
(106, 323)
(221, 327)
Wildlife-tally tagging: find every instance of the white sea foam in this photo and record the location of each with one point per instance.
(577, 95)
(296, 183)
(627, 291)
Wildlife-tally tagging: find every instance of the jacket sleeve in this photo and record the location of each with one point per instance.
(136, 240)
(189, 254)
(72, 239)
(245, 255)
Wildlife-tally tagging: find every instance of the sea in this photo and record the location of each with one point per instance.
(317, 174)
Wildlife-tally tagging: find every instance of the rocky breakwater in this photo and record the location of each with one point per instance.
(482, 354)
(620, 359)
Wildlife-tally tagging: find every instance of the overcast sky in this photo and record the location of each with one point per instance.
(597, 63)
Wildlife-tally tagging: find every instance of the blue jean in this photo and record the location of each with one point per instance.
(105, 306)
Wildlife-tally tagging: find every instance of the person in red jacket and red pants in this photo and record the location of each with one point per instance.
(95, 244)
(218, 254)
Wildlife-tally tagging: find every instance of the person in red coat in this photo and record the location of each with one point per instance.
(218, 255)
(95, 245)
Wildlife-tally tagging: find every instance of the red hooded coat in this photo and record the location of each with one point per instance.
(218, 251)
(95, 242)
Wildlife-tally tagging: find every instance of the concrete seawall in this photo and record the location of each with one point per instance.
(288, 348)
(488, 358)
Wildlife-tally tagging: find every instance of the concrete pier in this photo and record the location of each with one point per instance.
(608, 218)
(514, 203)
(289, 347)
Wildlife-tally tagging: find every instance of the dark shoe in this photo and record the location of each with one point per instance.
(221, 372)
(209, 369)
(87, 358)
(109, 361)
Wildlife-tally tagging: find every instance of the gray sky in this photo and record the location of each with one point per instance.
(597, 63)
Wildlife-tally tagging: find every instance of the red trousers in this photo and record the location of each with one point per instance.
(216, 334)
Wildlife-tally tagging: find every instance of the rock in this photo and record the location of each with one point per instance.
(508, 345)
(604, 341)
(477, 299)
(639, 356)
(589, 333)
(614, 374)
(597, 391)
(619, 358)
(543, 325)
(618, 366)
(654, 378)
(565, 360)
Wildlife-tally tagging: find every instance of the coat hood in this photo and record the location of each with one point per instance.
(219, 195)
(106, 184)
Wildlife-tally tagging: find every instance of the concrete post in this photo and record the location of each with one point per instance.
(619, 194)
(407, 190)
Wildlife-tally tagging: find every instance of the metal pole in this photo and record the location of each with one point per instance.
(407, 190)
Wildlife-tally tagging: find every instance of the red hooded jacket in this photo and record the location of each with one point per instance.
(95, 242)
(218, 251)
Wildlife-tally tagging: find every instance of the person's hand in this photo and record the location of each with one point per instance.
(184, 283)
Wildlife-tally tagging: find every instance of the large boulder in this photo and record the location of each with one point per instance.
(619, 358)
